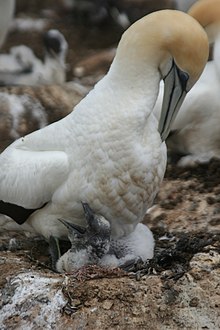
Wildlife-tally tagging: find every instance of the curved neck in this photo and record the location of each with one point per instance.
(137, 82)
(128, 92)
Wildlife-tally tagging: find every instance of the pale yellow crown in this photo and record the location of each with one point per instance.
(207, 13)
(164, 34)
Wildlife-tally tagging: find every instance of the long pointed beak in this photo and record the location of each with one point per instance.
(89, 213)
(93, 220)
(73, 227)
(174, 93)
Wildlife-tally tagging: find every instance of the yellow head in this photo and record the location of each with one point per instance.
(168, 44)
(207, 13)
(164, 35)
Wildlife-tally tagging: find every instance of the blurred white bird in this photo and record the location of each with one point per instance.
(18, 60)
(109, 151)
(195, 132)
(6, 14)
(22, 67)
(184, 5)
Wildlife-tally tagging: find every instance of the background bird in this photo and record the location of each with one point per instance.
(20, 59)
(195, 132)
(109, 151)
(6, 15)
(30, 70)
(184, 5)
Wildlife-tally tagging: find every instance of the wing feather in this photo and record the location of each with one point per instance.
(29, 178)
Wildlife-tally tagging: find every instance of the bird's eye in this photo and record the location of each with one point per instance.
(94, 240)
(183, 78)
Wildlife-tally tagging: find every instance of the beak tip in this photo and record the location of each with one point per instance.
(89, 213)
(84, 205)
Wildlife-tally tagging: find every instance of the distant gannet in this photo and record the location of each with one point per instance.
(184, 5)
(93, 244)
(6, 13)
(22, 67)
(195, 131)
(109, 152)
(20, 59)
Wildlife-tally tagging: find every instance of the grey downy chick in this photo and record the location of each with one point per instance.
(89, 244)
(94, 245)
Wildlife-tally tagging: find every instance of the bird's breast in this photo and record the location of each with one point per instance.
(118, 179)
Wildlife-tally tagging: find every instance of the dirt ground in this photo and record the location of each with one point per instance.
(178, 289)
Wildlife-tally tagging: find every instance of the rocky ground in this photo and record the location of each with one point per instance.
(178, 289)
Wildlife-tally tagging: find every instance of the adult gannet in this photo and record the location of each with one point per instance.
(195, 131)
(6, 13)
(22, 67)
(184, 5)
(109, 151)
(93, 244)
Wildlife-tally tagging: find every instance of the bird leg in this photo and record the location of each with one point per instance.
(54, 248)
(132, 265)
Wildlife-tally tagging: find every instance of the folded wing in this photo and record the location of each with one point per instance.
(29, 178)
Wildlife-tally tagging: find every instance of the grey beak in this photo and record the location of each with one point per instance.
(94, 224)
(174, 93)
(89, 213)
(73, 227)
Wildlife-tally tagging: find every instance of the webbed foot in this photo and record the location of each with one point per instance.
(132, 265)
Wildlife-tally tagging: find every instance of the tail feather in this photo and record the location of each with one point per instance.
(18, 213)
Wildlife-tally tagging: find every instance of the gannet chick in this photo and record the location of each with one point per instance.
(195, 132)
(93, 245)
(110, 150)
(6, 14)
(22, 67)
(89, 244)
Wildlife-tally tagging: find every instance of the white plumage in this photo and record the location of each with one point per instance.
(20, 58)
(108, 151)
(6, 14)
